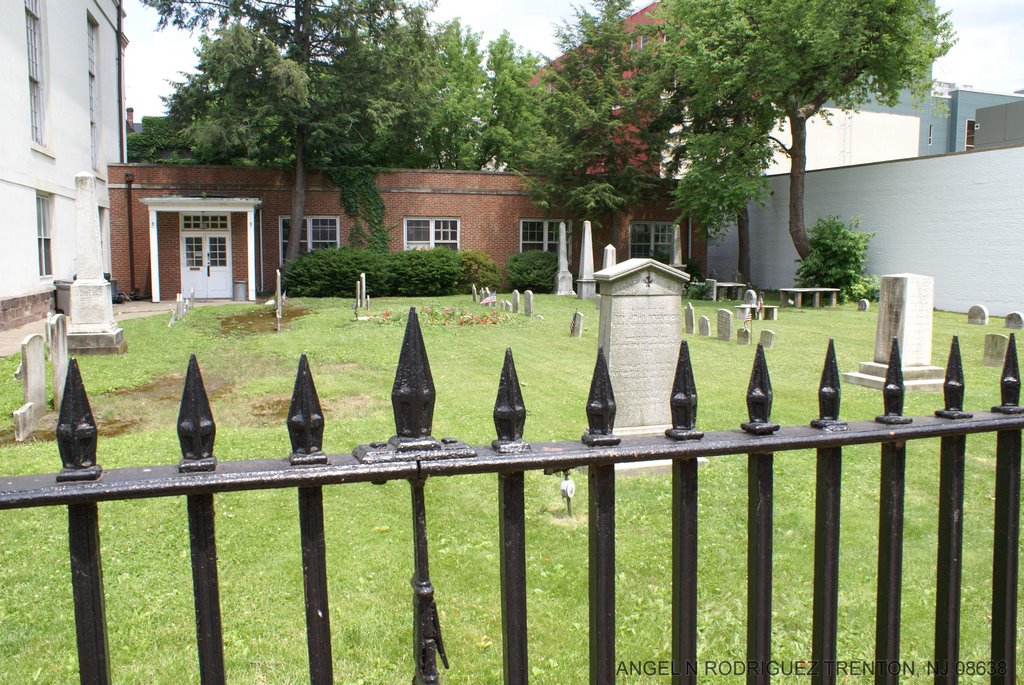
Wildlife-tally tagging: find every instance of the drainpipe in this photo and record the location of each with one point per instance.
(129, 177)
(120, 93)
(262, 289)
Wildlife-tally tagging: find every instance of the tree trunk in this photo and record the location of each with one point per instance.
(743, 243)
(798, 169)
(298, 196)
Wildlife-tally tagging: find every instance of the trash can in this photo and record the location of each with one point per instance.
(63, 296)
(240, 293)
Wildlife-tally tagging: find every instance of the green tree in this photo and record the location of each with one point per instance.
(512, 105)
(160, 141)
(797, 57)
(312, 85)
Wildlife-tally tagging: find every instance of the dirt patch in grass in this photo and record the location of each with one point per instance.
(169, 388)
(260, 320)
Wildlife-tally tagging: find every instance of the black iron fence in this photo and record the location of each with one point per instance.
(414, 455)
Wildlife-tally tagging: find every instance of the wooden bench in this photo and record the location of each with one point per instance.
(798, 296)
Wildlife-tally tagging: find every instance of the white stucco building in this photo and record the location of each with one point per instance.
(62, 115)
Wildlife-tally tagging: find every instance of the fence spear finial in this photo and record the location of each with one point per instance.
(759, 398)
(76, 431)
(683, 403)
(412, 396)
(829, 394)
(894, 390)
(196, 428)
(306, 419)
(509, 410)
(1009, 384)
(953, 386)
(600, 406)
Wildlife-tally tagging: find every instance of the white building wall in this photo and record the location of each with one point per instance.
(958, 218)
(27, 168)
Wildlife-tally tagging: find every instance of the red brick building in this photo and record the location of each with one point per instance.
(174, 228)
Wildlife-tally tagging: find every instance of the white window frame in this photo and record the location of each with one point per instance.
(550, 242)
(92, 28)
(304, 238)
(44, 236)
(654, 225)
(206, 222)
(36, 71)
(433, 229)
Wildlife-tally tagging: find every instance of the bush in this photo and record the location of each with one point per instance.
(425, 272)
(478, 268)
(534, 270)
(333, 272)
(837, 257)
(866, 288)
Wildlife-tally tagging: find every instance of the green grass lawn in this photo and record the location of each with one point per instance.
(249, 372)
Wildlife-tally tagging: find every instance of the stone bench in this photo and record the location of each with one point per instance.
(816, 293)
(769, 312)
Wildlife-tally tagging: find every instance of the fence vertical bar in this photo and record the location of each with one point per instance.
(314, 585)
(602, 574)
(202, 537)
(512, 540)
(684, 572)
(87, 589)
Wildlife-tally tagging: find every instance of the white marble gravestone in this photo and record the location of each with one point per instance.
(724, 325)
(689, 315)
(515, 301)
(93, 329)
(995, 350)
(977, 315)
(610, 258)
(528, 303)
(57, 333)
(743, 336)
(1014, 320)
(586, 286)
(704, 327)
(767, 339)
(904, 312)
(640, 330)
(563, 279)
(576, 325)
(32, 374)
(474, 292)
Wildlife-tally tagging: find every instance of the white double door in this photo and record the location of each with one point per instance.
(206, 264)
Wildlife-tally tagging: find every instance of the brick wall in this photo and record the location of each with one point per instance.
(489, 206)
(18, 311)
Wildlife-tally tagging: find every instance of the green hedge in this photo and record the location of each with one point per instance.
(425, 272)
(333, 272)
(534, 270)
(479, 268)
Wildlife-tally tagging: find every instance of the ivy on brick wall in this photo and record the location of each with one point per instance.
(361, 200)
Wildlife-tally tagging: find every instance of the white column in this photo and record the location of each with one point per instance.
(154, 257)
(251, 250)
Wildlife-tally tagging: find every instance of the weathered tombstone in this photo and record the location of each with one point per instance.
(904, 312)
(515, 301)
(528, 303)
(688, 316)
(711, 292)
(362, 289)
(474, 291)
(179, 307)
(57, 333)
(609, 257)
(750, 298)
(767, 339)
(995, 349)
(743, 336)
(1015, 320)
(93, 329)
(724, 325)
(640, 330)
(978, 315)
(359, 297)
(576, 325)
(32, 374)
(863, 306)
(586, 286)
(704, 327)
(279, 301)
(563, 279)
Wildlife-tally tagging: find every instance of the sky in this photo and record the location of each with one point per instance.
(988, 55)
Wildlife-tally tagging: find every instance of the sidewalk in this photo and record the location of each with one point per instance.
(11, 339)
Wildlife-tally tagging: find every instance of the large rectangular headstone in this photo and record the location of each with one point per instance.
(528, 303)
(995, 350)
(724, 325)
(640, 330)
(689, 315)
(515, 301)
(704, 327)
(32, 374)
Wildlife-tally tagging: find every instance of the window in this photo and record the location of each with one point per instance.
(425, 233)
(34, 36)
(969, 143)
(542, 234)
(654, 240)
(43, 236)
(204, 222)
(930, 127)
(322, 229)
(92, 31)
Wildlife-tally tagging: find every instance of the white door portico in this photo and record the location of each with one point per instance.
(207, 252)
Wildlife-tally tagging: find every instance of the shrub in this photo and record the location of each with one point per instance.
(534, 270)
(425, 272)
(866, 288)
(837, 256)
(478, 268)
(333, 272)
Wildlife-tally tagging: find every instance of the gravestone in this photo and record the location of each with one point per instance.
(1015, 320)
(689, 315)
(515, 301)
(359, 296)
(576, 325)
(640, 330)
(528, 303)
(57, 333)
(93, 329)
(563, 279)
(362, 289)
(743, 336)
(750, 298)
(474, 291)
(32, 374)
(586, 286)
(724, 325)
(609, 257)
(279, 300)
(711, 291)
(904, 312)
(863, 306)
(995, 350)
(767, 339)
(704, 327)
(978, 315)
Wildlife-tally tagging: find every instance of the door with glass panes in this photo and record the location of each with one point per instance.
(206, 256)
